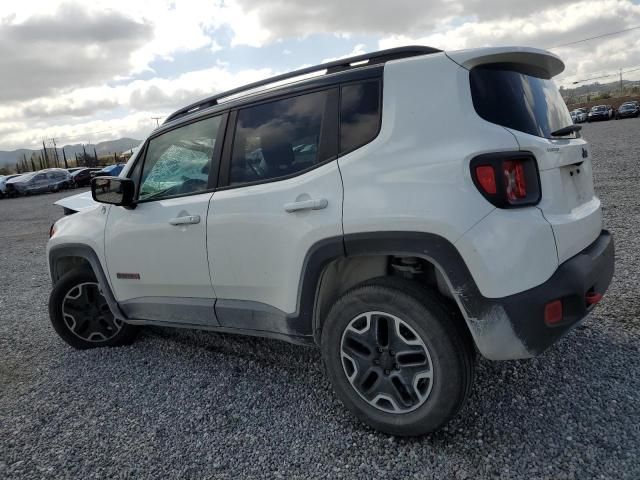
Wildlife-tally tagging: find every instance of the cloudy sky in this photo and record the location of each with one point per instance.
(85, 71)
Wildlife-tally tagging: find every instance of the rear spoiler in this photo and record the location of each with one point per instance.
(533, 57)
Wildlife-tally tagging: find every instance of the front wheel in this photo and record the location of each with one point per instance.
(398, 357)
(81, 316)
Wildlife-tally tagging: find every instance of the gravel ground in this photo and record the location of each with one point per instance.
(202, 405)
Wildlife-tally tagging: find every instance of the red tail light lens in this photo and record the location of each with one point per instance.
(487, 178)
(507, 179)
(514, 180)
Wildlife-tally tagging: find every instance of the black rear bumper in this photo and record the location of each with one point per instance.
(589, 272)
(509, 327)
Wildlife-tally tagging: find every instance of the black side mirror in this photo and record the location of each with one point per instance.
(113, 190)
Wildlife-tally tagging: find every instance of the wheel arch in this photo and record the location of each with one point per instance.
(329, 272)
(68, 257)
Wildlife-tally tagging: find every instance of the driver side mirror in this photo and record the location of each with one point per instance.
(113, 190)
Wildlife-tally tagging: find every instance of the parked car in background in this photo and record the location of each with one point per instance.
(600, 112)
(579, 115)
(82, 177)
(109, 171)
(3, 183)
(50, 180)
(628, 110)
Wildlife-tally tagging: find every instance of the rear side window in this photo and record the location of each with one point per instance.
(523, 101)
(279, 138)
(359, 114)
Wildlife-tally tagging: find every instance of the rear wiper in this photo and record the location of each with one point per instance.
(566, 130)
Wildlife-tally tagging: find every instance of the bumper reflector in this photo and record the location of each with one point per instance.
(553, 312)
(592, 298)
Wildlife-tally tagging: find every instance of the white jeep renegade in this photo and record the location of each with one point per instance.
(399, 209)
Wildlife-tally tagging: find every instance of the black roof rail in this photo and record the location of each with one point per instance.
(367, 59)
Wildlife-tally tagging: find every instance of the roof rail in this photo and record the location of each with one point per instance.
(367, 59)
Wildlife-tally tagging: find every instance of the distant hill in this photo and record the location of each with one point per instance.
(597, 93)
(103, 148)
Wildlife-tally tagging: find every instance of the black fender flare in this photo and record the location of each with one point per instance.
(80, 250)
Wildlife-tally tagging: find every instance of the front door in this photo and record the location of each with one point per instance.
(156, 252)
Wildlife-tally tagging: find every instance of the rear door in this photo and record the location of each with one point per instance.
(526, 102)
(156, 253)
(281, 194)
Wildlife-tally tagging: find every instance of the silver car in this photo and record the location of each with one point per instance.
(3, 183)
(50, 180)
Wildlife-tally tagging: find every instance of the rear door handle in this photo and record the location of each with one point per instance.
(306, 205)
(186, 220)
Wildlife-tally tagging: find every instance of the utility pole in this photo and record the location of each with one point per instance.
(55, 151)
(621, 88)
(157, 120)
(46, 157)
(64, 156)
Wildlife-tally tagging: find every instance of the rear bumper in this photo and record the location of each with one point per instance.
(520, 317)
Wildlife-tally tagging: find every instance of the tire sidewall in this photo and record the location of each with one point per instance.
(124, 337)
(448, 379)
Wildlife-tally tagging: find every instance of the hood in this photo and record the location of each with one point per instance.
(77, 203)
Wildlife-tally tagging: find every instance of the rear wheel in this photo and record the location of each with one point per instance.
(397, 356)
(81, 316)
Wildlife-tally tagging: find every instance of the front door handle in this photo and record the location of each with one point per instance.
(306, 205)
(186, 220)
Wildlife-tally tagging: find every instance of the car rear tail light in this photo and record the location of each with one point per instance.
(487, 178)
(553, 312)
(514, 179)
(507, 179)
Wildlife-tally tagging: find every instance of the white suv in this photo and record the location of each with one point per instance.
(399, 209)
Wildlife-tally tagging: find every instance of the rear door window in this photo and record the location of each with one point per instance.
(281, 138)
(359, 114)
(522, 100)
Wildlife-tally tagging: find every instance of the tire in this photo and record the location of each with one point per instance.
(351, 344)
(77, 294)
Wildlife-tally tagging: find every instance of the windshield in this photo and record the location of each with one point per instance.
(518, 100)
(599, 108)
(627, 106)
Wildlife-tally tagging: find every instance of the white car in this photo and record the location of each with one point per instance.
(3, 183)
(433, 209)
(578, 116)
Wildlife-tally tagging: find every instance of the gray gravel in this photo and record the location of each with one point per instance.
(203, 405)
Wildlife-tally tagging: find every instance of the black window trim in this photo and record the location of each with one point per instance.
(219, 180)
(331, 110)
(213, 172)
(342, 153)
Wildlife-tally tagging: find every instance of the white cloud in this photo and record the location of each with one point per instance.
(542, 29)
(59, 115)
(70, 67)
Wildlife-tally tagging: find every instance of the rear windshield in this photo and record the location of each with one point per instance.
(527, 102)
